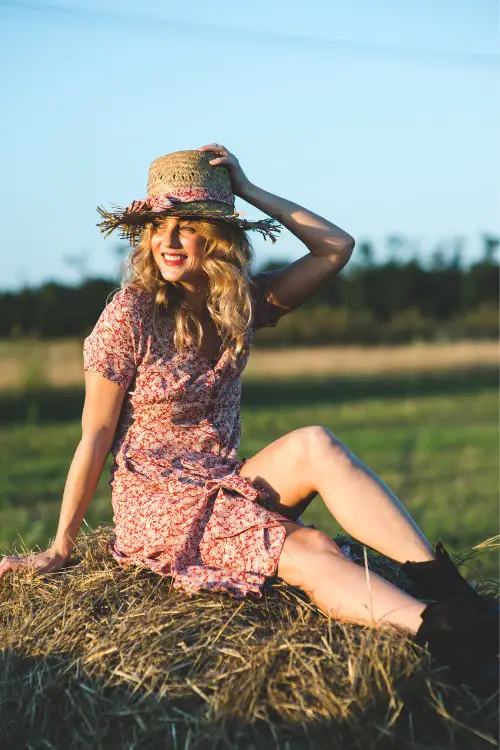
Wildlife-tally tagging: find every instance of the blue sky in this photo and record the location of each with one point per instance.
(382, 116)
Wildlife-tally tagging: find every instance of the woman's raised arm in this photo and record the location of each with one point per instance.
(103, 401)
(330, 247)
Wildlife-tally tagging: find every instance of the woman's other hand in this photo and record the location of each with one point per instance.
(224, 157)
(44, 562)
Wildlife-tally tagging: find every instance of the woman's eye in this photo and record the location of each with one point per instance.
(188, 228)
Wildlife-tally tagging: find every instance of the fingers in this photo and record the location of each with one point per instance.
(4, 566)
(215, 147)
(220, 160)
(12, 563)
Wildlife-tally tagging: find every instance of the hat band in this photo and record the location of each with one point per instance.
(168, 200)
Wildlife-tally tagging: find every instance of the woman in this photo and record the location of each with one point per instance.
(162, 374)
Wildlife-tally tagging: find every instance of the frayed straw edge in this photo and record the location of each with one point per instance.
(119, 219)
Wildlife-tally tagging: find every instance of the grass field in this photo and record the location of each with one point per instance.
(432, 438)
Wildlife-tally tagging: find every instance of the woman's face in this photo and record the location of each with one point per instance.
(178, 250)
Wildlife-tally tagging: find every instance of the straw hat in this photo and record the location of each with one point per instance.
(182, 184)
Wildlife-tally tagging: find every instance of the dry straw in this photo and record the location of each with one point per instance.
(97, 656)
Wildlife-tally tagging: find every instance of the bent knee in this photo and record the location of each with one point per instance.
(304, 551)
(314, 441)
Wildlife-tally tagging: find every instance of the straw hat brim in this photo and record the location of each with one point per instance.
(131, 223)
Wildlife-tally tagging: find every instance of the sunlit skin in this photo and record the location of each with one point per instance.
(178, 235)
(363, 505)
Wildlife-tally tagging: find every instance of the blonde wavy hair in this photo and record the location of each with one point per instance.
(228, 254)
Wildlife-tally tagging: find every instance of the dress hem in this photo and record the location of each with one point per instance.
(230, 582)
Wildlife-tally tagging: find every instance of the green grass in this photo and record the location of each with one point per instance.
(434, 442)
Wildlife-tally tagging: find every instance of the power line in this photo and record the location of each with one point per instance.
(132, 20)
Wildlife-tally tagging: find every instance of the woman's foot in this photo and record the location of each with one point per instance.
(460, 627)
(463, 633)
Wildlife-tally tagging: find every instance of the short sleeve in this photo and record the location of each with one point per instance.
(265, 312)
(110, 348)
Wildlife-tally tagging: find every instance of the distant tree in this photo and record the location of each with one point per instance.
(490, 248)
(364, 254)
(458, 245)
(481, 285)
(399, 248)
(392, 301)
(438, 259)
(271, 265)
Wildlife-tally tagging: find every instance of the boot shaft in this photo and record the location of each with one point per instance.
(438, 579)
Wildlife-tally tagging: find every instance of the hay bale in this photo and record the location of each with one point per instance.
(99, 656)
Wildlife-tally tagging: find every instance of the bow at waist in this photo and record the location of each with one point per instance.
(212, 479)
(233, 482)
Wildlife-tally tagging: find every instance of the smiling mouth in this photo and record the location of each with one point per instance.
(173, 257)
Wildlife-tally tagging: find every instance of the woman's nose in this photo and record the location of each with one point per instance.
(170, 239)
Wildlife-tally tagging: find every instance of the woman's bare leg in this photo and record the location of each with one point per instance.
(341, 588)
(311, 460)
(364, 505)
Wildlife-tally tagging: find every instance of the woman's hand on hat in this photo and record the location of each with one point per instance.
(225, 158)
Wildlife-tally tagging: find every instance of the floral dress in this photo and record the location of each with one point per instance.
(180, 506)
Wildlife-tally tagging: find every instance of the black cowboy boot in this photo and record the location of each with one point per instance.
(461, 628)
(463, 633)
(440, 579)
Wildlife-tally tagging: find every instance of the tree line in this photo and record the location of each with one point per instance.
(390, 302)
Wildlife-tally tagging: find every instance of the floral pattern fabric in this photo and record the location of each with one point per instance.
(180, 506)
(159, 203)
